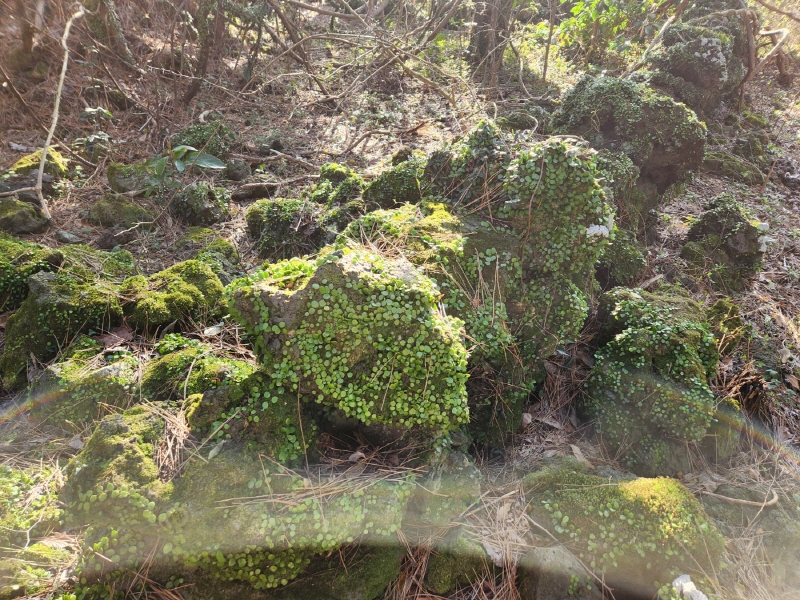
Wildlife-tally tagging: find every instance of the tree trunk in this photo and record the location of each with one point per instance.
(27, 32)
(105, 25)
(489, 38)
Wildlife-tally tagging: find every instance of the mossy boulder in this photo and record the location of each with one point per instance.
(79, 388)
(456, 561)
(648, 390)
(185, 367)
(753, 147)
(187, 291)
(623, 261)
(237, 169)
(634, 532)
(288, 227)
(662, 137)
(21, 217)
(397, 185)
(18, 261)
(207, 246)
(117, 492)
(724, 245)
(724, 163)
(57, 309)
(337, 186)
(213, 138)
(115, 210)
(635, 199)
(555, 573)
(55, 164)
(201, 203)
(137, 178)
(359, 333)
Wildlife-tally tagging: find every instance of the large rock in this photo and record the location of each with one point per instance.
(18, 261)
(648, 390)
(21, 217)
(360, 333)
(631, 532)
(724, 245)
(57, 308)
(55, 164)
(554, 573)
(137, 178)
(662, 137)
(115, 210)
(201, 203)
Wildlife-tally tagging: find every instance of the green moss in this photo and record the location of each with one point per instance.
(723, 244)
(89, 265)
(214, 138)
(139, 177)
(337, 185)
(200, 203)
(639, 531)
(184, 292)
(456, 562)
(114, 210)
(31, 571)
(286, 227)
(57, 309)
(397, 185)
(360, 333)
(187, 367)
(728, 165)
(18, 261)
(662, 137)
(79, 388)
(754, 119)
(28, 505)
(206, 246)
(55, 165)
(21, 217)
(649, 383)
(623, 262)
(635, 200)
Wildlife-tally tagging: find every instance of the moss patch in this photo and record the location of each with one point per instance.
(286, 227)
(18, 261)
(214, 138)
(114, 210)
(55, 165)
(201, 203)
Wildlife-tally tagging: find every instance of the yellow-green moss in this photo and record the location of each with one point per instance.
(640, 529)
(18, 261)
(114, 210)
(184, 292)
(55, 165)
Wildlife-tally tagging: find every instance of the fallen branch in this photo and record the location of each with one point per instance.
(59, 90)
(792, 15)
(771, 53)
(764, 504)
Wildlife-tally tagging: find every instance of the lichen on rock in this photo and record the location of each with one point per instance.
(55, 164)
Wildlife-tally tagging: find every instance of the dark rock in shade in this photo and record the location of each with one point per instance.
(726, 164)
(723, 245)
(115, 210)
(118, 236)
(554, 573)
(57, 308)
(623, 261)
(237, 169)
(201, 203)
(456, 561)
(21, 217)
(10, 182)
(18, 261)
(753, 147)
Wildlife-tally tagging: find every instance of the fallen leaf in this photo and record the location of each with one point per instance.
(493, 553)
(216, 450)
(115, 336)
(549, 421)
(579, 455)
(527, 419)
(786, 355)
(214, 329)
(585, 358)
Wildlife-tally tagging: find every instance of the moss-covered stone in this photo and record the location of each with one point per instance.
(201, 203)
(213, 138)
(397, 185)
(723, 244)
(287, 227)
(140, 177)
(635, 532)
(753, 147)
(635, 199)
(662, 137)
(78, 389)
(648, 389)
(456, 561)
(359, 333)
(56, 310)
(185, 367)
(207, 246)
(187, 291)
(18, 261)
(21, 217)
(114, 210)
(623, 261)
(55, 164)
(722, 162)
(337, 186)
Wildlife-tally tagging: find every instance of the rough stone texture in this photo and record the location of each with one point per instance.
(21, 217)
(662, 137)
(114, 210)
(237, 169)
(55, 311)
(139, 177)
(456, 561)
(554, 573)
(10, 182)
(723, 162)
(724, 245)
(201, 203)
(55, 165)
